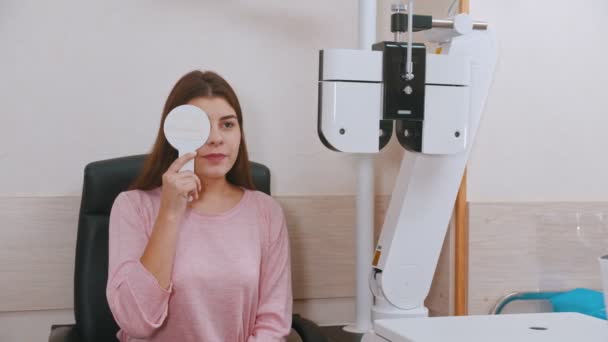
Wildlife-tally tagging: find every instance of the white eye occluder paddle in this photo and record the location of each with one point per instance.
(187, 128)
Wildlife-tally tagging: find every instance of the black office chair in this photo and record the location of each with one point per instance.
(103, 181)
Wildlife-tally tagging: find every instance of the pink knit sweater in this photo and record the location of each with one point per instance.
(231, 276)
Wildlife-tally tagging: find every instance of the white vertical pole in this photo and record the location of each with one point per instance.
(365, 192)
(365, 241)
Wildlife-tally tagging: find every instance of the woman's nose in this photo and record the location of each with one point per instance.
(215, 136)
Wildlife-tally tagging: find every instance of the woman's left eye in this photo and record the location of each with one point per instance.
(228, 124)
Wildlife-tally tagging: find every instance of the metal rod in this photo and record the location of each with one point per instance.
(410, 40)
(444, 23)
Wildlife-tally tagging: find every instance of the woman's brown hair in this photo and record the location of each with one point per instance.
(192, 85)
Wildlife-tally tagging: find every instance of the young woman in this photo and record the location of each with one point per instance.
(216, 268)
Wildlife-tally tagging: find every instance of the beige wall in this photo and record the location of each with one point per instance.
(542, 137)
(537, 175)
(87, 80)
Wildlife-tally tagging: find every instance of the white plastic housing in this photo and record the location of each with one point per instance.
(446, 104)
(350, 97)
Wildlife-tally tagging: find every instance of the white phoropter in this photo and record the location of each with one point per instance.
(187, 128)
(435, 103)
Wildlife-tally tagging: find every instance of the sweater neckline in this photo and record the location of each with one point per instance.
(225, 214)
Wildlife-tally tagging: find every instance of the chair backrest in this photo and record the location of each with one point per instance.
(103, 181)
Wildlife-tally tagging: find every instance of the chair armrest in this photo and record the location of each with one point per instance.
(308, 330)
(64, 333)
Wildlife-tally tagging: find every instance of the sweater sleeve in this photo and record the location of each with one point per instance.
(137, 301)
(273, 318)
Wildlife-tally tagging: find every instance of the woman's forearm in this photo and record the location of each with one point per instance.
(159, 253)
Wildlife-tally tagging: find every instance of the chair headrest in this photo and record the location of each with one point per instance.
(105, 179)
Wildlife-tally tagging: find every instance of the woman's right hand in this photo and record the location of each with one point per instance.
(178, 187)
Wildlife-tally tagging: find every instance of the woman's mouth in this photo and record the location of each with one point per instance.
(215, 157)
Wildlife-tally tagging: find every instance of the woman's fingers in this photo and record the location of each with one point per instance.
(188, 185)
(181, 161)
(187, 174)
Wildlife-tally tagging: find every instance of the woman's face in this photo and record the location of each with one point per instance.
(217, 156)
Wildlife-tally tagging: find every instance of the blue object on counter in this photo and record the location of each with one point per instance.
(584, 301)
